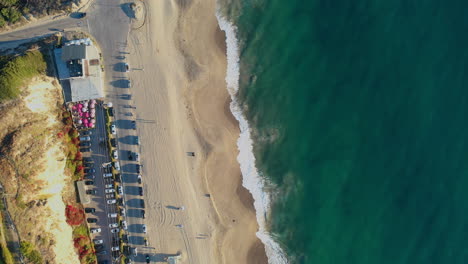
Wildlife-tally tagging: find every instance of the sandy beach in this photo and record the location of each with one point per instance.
(178, 82)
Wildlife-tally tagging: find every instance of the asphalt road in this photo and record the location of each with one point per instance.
(108, 23)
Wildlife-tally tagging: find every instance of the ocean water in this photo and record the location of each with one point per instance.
(354, 127)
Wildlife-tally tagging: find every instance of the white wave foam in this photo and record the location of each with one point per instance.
(251, 179)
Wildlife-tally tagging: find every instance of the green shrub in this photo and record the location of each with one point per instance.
(11, 14)
(28, 250)
(17, 71)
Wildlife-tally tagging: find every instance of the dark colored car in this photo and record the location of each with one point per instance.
(143, 214)
(111, 111)
(121, 202)
(90, 170)
(140, 191)
(91, 192)
(148, 258)
(138, 168)
(130, 155)
(91, 220)
(85, 149)
(85, 144)
(102, 253)
(90, 210)
(113, 142)
(142, 203)
(125, 238)
(103, 262)
(88, 159)
(133, 124)
(89, 182)
(88, 164)
(98, 247)
(86, 133)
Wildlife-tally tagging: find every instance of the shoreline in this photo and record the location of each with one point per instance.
(251, 180)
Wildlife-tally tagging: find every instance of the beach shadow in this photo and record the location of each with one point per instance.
(133, 190)
(136, 203)
(136, 240)
(129, 168)
(128, 140)
(122, 83)
(119, 67)
(127, 9)
(120, 57)
(134, 213)
(130, 178)
(172, 207)
(123, 124)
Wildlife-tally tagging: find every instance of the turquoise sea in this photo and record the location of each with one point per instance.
(358, 111)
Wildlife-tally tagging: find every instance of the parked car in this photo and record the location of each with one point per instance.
(140, 191)
(137, 157)
(109, 186)
(122, 211)
(142, 203)
(115, 230)
(120, 190)
(86, 133)
(112, 215)
(110, 196)
(143, 227)
(121, 202)
(134, 251)
(91, 192)
(95, 230)
(90, 210)
(88, 164)
(98, 247)
(124, 225)
(125, 238)
(98, 241)
(143, 214)
(114, 225)
(127, 68)
(146, 242)
(117, 165)
(113, 130)
(130, 155)
(148, 259)
(136, 140)
(88, 159)
(90, 177)
(85, 149)
(113, 201)
(89, 182)
(85, 138)
(91, 220)
(133, 124)
(107, 175)
(109, 190)
(89, 170)
(115, 248)
(138, 168)
(115, 154)
(85, 144)
(113, 142)
(102, 253)
(139, 179)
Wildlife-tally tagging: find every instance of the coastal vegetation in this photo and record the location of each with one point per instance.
(15, 72)
(30, 252)
(11, 11)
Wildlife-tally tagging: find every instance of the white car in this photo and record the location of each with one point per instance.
(124, 225)
(114, 225)
(109, 190)
(127, 68)
(117, 165)
(95, 230)
(113, 130)
(113, 215)
(109, 185)
(122, 211)
(113, 201)
(107, 175)
(120, 190)
(137, 157)
(144, 228)
(115, 248)
(98, 241)
(115, 155)
(115, 230)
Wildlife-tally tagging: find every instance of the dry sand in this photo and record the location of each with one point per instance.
(182, 105)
